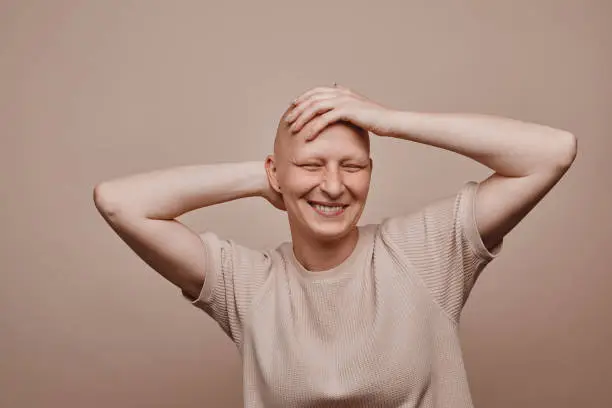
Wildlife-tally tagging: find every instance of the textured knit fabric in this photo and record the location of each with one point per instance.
(379, 330)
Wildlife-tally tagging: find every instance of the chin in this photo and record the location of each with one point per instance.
(329, 228)
(330, 233)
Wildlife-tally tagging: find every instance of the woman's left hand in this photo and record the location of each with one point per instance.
(319, 107)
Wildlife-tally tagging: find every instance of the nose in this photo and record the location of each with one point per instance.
(332, 183)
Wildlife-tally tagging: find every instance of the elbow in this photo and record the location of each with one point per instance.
(112, 203)
(564, 151)
(106, 201)
(569, 149)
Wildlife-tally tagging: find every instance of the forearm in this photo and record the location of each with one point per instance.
(509, 147)
(169, 193)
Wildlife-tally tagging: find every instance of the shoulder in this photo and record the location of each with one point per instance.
(439, 213)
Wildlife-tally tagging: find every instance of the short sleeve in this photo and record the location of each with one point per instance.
(234, 275)
(442, 244)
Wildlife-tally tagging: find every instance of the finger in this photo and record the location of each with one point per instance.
(311, 92)
(319, 91)
(297, 110)
(345, 90)
(315, 126)
(313, 109)
(308, 93)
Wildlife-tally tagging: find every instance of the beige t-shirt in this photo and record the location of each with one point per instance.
(379, 330)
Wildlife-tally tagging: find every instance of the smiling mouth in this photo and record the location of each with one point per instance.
(328, 211)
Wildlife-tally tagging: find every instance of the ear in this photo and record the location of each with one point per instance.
(271, 171)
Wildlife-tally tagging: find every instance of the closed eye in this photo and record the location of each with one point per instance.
(314, 167)
(311, 167)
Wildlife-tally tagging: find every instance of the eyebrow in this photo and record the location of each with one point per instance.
(342, 160)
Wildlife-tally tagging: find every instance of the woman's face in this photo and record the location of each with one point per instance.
(324, 182)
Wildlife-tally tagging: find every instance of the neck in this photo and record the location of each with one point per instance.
(316, 255)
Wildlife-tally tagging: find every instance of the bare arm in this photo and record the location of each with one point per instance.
(142, 209)
(527, 159)
(510, 147)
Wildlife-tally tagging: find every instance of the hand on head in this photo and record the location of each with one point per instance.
(323, 158)
(319, 107)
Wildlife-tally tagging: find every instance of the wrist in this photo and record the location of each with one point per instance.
(392, 123)
(400, 123)
(260, 179)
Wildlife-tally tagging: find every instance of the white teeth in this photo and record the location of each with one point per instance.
(326, 209)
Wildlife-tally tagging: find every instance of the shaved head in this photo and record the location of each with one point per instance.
(282, 135)
(334, 167)
(285, 140)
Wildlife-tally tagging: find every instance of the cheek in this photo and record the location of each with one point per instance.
(299, 184)
(359, 185)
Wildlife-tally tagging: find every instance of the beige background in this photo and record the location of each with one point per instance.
(92, 90)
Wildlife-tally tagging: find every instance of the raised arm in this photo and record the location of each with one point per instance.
(527, 159)
(142, 209)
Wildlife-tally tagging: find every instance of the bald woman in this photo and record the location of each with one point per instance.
(343, 315)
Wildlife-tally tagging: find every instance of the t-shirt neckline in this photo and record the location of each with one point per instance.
(337, 270)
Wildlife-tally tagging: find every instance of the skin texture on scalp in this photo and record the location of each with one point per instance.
(284, 136)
